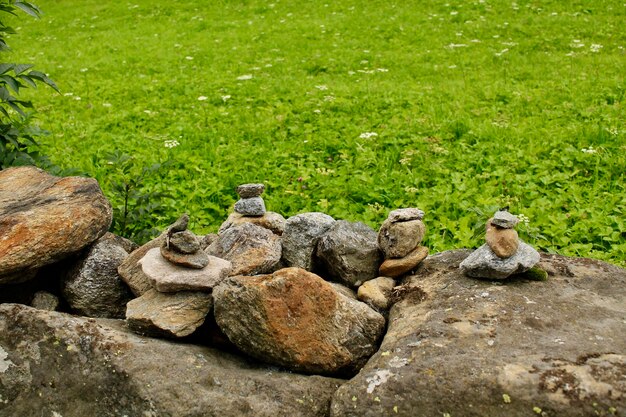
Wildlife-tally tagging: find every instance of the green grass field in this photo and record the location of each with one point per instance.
(352, 108)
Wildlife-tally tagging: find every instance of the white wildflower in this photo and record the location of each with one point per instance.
(245, 77)
(84, 69)
(576, 43)
(502, 52)
(456, 45)
(189, 58)
(368, 135)
(329, 98)
(318, 111)
(523, 219)
(590, 150)
(106, 104)
(595, 47)
(321, 87)
(77, 98)
(202, 98)
(382, 70)
(68, 94)
(411, 190)
(225, 98)
(171, 143)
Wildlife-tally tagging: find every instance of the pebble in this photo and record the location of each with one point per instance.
(184, 242)
(503, 242)
(504, 219)
(405, 214)
(254, 206)
(250, 190)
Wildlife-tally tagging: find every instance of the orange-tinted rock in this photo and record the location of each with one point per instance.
(503, 242)
(397, 267)
(295, 319)
(130, 270)
(44, 218)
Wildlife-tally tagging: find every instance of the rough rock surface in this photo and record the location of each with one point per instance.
(44, 218)
(254, 206)
(196, 260)
(397, 267)
(92, 287)
(349, 253)
(44, 300)
(405, 214)
(170, 315)
(250, 190)
(270, 220)
(184, 242)
(167, 277)
(504, 219)
(296, 319)
(483, 263)
(130, 269)
(300, 238)
(398, 239)
(53, 364)
(377, 292)
(251, 249)
(463, 347)
(502, 242)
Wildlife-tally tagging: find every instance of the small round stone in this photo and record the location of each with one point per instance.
(250, 190)
(254, 206)
(184, 242)
(503, 242)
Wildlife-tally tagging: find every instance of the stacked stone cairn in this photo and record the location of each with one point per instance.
(250, 203)
(504, 253)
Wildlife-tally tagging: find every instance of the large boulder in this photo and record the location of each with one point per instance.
(44, 218)
(53, 364)
(252, 249)
(300, 238)
(92, 287)
(296, 319)
(463, 347)
(349, 253)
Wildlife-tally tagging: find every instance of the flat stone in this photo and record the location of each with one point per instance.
(405, 214)
(130, 270)
(467, 347)
(395, 268)
(293, 318)
(398, 239)
(167, 277)
(272, 221)
(483, 263)
(250, 190)
(184, 242)
(196, 260)
(300, 238)
(503, 242)
(251, 249)
(44, 219)
(254, 206)
(504, 219)
(168, 314)
(349, 253)
(377, 292)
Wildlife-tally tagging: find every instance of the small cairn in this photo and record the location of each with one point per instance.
(504, 253)
(181, 247)
(399, 239)
(250, 203)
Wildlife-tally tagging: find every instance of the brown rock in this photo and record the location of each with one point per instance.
(398, 239)
(296, 319)
(44, 218)
(130, 271)
(397, 267)
(377, 292)
(196, 260)
(170, 315)
(270, 220)
(503, 242)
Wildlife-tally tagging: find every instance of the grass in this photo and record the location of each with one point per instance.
(475, 105)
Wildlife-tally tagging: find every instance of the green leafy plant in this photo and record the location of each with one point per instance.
(17, 143)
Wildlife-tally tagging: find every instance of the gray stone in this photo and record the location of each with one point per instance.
(254, 206)
(300, 238)
(270, 220)
(250, 190)
(130, 271)
(168, 314)
(207, 239)
(504, 219)
(483, 263)
(295, 319)
(349, 252)
(43, 300)
(44, 219)
(197, 260)
(54, 364)
(405, 214)
(398, 239)
(167, 277)
(462, 347)
(251, 249)
(184, 242)
(93, 287)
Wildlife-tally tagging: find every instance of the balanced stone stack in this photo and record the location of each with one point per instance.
(250, 203)
(399, 239)
(504, 254)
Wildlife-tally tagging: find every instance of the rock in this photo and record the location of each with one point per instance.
(206, 240)
(483, 263)
(398, 239)
(179, 225)
(250, 190)
(251, 249)
(270, 220)
(503, 242)
(349, 252)
(43, 300)
(343, 290)
(170, 315)
(479, 348)
(254, 206)
(196, 260)
(44, 218)
(126, 244)
(300, 238)
(405, 214)
(92, 287)
(53, 364)
(377, 292)
(395, 268)
(184, 242)
(167, 277)
(504, 219)
(130, 271)
(295, 319)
